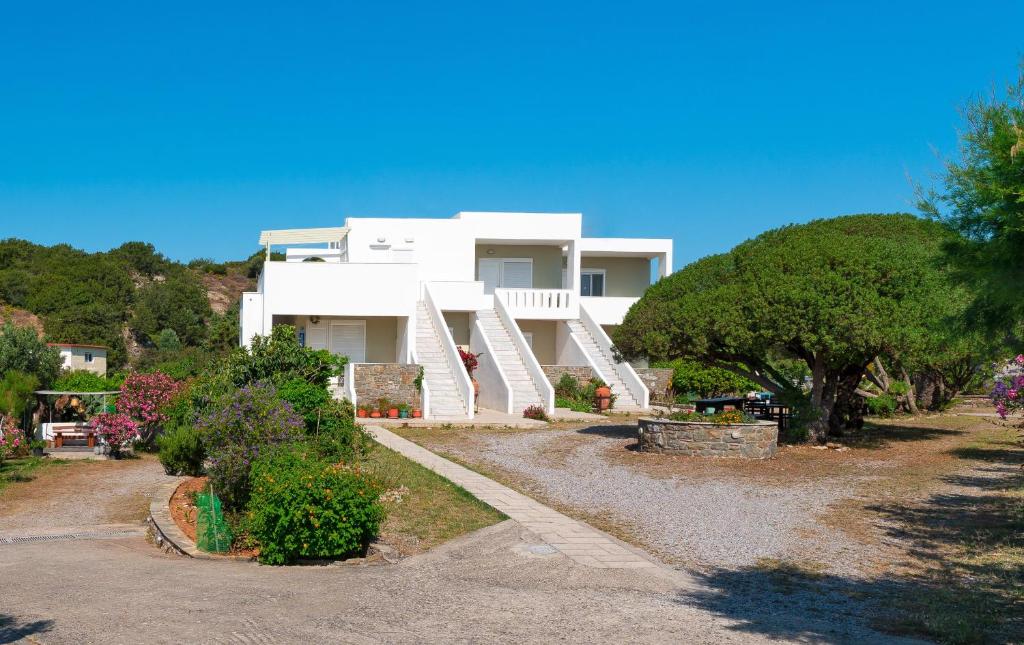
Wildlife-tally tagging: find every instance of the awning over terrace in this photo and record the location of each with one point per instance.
(333, 234)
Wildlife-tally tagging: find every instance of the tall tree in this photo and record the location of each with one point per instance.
(832, 293)
(982, 198)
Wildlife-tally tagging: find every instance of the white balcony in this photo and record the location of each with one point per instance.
(607, 310)
(540, 304)
(339, 289)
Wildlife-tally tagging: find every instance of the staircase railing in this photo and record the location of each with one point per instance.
(624, 370)
(495, 390)
(540, 379)
(451, 352)
(424, 390)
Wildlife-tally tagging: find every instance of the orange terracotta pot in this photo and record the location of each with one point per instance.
(361, 414)
(416, 414)
(393, 413)
(375, 414)
(603, 392)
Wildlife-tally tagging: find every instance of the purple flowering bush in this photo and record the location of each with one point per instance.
(236, 428)
(1008, 394)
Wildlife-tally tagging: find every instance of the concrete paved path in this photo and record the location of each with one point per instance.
(580, 542)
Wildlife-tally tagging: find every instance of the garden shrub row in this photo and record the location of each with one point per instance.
(282, 455)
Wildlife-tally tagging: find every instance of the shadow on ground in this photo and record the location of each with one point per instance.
(966, 551)
(611, 432)
(12, 630)
(881, 435)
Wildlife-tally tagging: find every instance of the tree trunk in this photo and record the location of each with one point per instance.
(910, 396)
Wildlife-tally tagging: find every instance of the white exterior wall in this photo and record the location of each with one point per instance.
(387, 262)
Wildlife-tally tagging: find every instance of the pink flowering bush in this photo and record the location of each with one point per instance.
(143, 398)
(1008, 394)
(12, 441)
(119, 431)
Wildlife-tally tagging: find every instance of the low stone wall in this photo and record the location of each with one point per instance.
(554, 372)
(392, 381)
(757, 440)
(658, 381)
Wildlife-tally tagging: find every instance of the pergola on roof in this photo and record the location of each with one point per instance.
(303, 235)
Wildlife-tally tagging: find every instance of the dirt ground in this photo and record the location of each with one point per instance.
(83, 493)
(927, 509)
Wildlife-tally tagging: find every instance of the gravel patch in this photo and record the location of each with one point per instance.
(83, 494)
(718, 523)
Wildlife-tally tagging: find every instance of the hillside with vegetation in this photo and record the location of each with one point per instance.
(149, 310)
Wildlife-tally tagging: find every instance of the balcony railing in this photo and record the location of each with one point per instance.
(541, 304)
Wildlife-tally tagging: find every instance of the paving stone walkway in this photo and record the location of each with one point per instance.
(578, 541)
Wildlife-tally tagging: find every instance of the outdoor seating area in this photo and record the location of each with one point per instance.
(64, 419)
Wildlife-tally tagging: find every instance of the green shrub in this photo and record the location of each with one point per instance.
(85, 381)
(307, 399)
(304, 507)
(898, 388)
(882, 405)
(536, 413)
(724, 417)
(337, 437)
(181, 451)
(238, 429)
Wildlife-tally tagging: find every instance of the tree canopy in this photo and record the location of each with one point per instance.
(832, 293)
(982, 199)
(22, 351)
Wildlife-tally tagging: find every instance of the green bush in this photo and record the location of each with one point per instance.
(304, 507)
(691, 376)
(307, 399)
(237, 429)
(337, 437)
(882, 405)
(85, 381)
(181, 451)
(898, 388)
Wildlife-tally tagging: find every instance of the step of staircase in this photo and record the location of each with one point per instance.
(446, 400)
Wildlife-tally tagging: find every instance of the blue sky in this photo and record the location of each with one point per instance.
(195, 126)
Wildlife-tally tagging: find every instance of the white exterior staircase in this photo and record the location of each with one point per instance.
(446, 401)
(606, 365)
(524, 390)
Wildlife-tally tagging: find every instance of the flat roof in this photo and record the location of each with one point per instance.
(77, 345)
(70, 392)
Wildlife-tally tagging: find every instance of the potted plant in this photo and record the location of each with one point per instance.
(374, 414)
(602, 393)
(471, 361)
(393, 412)
(416, 413)
(363, 411)
(403, 411)
(38, 445)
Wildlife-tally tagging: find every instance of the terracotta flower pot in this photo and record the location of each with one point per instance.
(416, 414)
(476, 387)
(375, 414)
(603, 392)
(393, 413)
(361, 414)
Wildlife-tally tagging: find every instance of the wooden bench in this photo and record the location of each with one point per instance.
(74, 432)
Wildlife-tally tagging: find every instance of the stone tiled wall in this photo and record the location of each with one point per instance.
(658, 381)
(702, 439)
(392, 381)
(554, 372)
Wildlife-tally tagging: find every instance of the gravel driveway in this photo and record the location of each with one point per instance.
(726, 522)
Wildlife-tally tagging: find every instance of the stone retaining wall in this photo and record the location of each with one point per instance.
(658, 381)
(757, 440)
(554, 372)
(392, 381)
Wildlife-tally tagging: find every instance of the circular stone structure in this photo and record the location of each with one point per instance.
(758, 440)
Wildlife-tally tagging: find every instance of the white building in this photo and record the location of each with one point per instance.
(525, 290)
(91, 358)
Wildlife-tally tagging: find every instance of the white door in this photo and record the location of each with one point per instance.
(348, 338)
(517, 274)
(490, 274)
